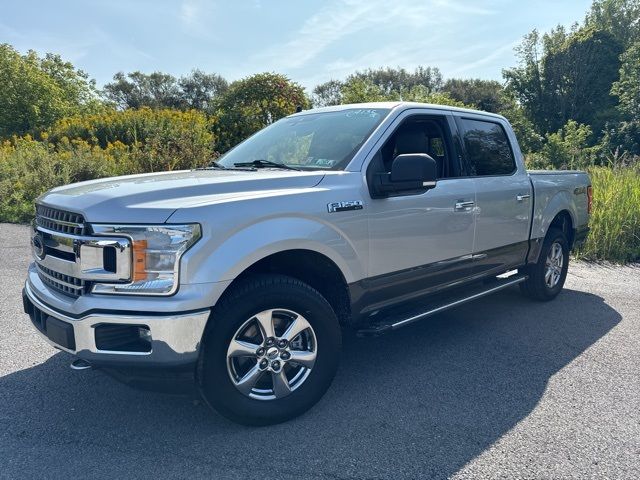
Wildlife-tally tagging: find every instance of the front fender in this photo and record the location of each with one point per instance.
(247, 245)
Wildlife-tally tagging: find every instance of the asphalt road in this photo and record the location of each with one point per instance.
(501, 388)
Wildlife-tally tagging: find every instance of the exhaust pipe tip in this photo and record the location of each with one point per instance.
(80, 364)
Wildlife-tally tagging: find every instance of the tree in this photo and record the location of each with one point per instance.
(327, 94)
(618, 17)
(624, 136)
(377, 84)
(524, 82)
(568, 147)
(627, 88)
(487, 95)
(37, 91)
(160, 90)
(420, 94)
(528, 137)
(399, 80)
(253, 103)
(578, 78)
(566, 76)
(137, 89)
(359, 90)
(199, 90)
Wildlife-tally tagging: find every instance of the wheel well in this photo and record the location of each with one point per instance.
(563, 222)
(314, 269)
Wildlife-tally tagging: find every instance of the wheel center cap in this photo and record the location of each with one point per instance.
(272, 352)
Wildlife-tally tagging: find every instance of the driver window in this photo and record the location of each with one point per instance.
(419, 134)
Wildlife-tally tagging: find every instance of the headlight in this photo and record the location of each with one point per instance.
(156, 252)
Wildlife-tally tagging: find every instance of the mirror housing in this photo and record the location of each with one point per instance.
(410, 173)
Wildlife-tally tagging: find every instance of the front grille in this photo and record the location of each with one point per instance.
(59, 220)
(66, 284)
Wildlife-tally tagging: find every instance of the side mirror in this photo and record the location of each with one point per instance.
(410, 173)
(414, 167)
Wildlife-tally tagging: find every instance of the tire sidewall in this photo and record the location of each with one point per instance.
(215, 383)
(553, 237)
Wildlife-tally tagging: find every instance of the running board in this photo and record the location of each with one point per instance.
(395, 321)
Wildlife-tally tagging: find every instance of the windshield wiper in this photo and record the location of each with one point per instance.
(265, 164)
(217, 166)
(214, 165)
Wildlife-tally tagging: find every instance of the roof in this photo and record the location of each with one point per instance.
(396, 105)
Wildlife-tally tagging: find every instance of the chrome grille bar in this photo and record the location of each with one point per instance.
(60, 282)
(59, 220)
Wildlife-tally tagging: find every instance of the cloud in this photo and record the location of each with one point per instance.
(321, 30)
(195, 16)
(189, 12)
(495, 54)
(340, 18)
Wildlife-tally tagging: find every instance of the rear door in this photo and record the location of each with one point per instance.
(503, 194)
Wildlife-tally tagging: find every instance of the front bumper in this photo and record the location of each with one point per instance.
(175, 337)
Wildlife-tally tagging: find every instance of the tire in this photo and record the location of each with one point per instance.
(223, 376)
(538, 286)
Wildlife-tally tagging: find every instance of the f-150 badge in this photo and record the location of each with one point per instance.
(344, 206)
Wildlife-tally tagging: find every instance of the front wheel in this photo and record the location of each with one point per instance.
(547, 276)
(271, 351)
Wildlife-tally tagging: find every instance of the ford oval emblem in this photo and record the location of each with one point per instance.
(38, 246)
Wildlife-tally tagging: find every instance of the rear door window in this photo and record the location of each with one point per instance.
(487, 148)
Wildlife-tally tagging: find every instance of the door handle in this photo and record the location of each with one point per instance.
(520, 197)
(464, 205)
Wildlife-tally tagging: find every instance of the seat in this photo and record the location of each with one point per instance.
(413, 139)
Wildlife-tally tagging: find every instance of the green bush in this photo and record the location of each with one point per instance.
(94, 146)
(157, 140)
(29, 168)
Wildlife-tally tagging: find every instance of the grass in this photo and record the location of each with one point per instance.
(615, 220)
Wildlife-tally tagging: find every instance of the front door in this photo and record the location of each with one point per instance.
(419, 242)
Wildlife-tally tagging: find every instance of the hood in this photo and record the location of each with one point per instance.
(153, 197)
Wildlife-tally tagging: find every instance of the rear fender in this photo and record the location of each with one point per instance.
(560, 201)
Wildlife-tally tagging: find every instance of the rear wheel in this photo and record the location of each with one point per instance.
(547, 276)
(270, 352)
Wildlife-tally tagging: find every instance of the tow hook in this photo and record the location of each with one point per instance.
(80, 364)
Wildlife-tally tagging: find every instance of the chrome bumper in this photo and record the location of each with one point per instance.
(175, 338)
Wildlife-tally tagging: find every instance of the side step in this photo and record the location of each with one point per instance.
(393, 321)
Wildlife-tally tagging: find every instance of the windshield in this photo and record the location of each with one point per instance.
(326, 141)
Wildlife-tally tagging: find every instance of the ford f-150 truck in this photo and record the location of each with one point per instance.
(242, 276)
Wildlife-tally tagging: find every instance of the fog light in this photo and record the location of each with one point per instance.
(123, 338)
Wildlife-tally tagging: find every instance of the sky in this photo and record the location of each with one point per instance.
(311, 41)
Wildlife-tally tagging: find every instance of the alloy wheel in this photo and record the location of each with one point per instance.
(553, 265)
(271, 354)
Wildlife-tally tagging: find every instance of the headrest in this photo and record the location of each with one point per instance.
(411, 139)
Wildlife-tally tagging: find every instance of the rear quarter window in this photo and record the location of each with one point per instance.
(487, 148)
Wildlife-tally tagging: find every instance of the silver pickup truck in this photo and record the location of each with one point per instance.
(242, 276)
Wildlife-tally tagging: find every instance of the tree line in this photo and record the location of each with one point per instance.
(573, 98)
